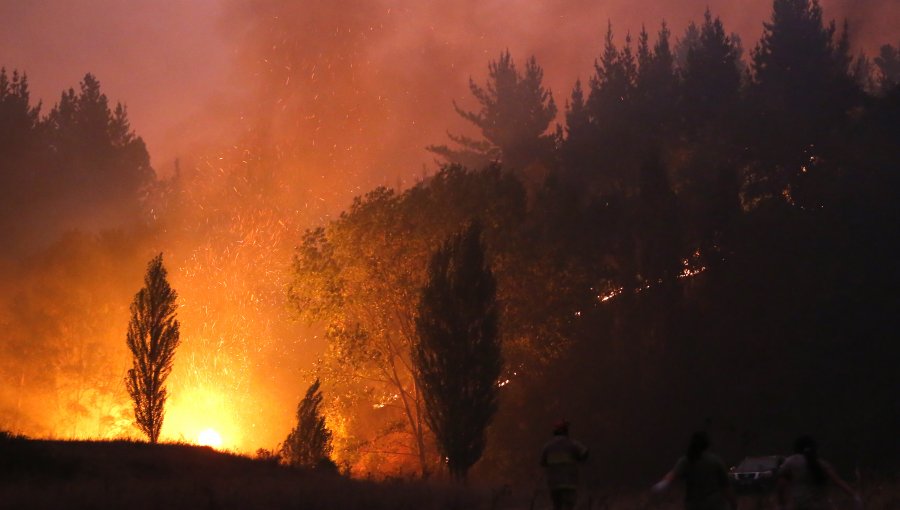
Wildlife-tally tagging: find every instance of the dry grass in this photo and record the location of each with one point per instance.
(130, 475)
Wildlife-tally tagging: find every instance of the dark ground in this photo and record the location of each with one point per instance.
(40, 474)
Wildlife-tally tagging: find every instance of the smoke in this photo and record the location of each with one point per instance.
(197, 75)
(872, 23)
(356, 89)
(281, 112)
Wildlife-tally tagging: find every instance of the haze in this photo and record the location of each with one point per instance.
(280, 112)
(189, 71)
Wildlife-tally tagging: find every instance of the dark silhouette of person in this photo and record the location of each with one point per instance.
(803, 479)
(560, 458)
(706, 485)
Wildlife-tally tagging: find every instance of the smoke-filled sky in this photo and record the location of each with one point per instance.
(189, 69)
(331, 97)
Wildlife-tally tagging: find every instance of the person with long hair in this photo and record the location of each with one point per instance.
(803, 479)
(706, 485)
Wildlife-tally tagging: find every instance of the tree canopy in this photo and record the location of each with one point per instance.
(457, 358)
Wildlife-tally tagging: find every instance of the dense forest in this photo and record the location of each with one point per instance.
(708, 240)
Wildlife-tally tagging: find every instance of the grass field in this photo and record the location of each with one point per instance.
(131, 475)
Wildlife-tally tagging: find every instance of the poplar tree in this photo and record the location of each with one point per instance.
(458, 358)
(153, 336)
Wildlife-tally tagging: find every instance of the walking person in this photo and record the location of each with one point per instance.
(803, 480)
(706, 485)
(560, 458)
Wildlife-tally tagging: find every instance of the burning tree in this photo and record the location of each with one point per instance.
(309, 444)
(458, 357)
(152, 338)
(361, 277)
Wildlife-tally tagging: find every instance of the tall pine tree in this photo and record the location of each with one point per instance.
(458, 358)
(712, 78)
(153, 336)
(656, 84)
(801, 94)
(613, 121)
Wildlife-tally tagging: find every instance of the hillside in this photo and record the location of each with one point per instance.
(37, 474)
(98, 475)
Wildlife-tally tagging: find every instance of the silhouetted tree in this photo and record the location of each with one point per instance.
(309, 443)
(20, 155)
(19, 120)
(796, 49)
(153, 336)
(863, 74)
(614, 79)
(800, 93)
(361, 277)
(579, 153)
(97, 157)
(611, 109)
(80, 163)
(515, 112)
(684, 44)
(710, 101)
(888, 62)
(711, 76)
(656, 84)
(577, 117)
(458, 358)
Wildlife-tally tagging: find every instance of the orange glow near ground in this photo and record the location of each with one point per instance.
(202, 416)
(210, 437)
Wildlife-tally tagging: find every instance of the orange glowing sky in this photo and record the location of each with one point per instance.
(176, 63)
(346, 94)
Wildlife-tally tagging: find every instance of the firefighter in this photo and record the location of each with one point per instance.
(560, 459)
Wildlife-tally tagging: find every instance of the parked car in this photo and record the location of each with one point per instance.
(756, 473)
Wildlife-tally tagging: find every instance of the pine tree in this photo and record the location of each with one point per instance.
(801, 89)
(888, 62)
(309, 443)
(515, 112)
(684, 45)
(153, 336)
(612, 86)
(712, 77)
(18, 119)
(798, 54)
(458, 358)
(577, 119)
(578, 150)
(656, 84)
(20, 153)
(97, 156)
(612, 112)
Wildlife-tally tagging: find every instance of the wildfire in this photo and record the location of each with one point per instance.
(211, 438)
(205, 417)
